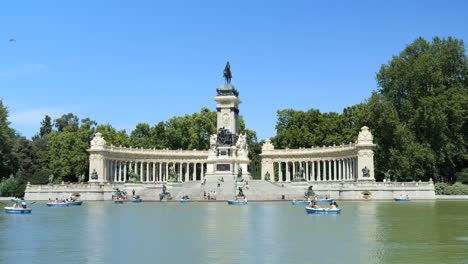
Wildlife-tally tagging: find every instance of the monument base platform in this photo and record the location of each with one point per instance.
(228, 188)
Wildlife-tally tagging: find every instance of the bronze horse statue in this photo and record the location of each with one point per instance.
(227, 73)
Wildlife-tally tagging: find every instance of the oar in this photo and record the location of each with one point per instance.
(3, 203)
(32, 203)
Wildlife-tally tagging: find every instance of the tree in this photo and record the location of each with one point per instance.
(69, 121)
(427, 85)
(7, 136)
(46, 126)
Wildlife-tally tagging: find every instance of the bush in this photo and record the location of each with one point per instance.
(462, 176)
(14, 185)
(454, 189)
(8, 186)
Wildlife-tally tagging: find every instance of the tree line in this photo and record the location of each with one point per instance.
(418, 116)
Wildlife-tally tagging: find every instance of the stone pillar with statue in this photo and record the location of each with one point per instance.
(365, 155)
(97, 164)
(228, 148)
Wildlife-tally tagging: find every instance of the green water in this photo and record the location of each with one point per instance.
(365, 232)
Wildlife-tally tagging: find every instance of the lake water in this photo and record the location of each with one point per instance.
(365, 232)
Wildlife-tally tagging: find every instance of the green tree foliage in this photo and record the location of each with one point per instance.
(67, 148)
(451, 189)
(7, 136)
(427, 86)
(46, 126)
(418, 116)
(69, 121)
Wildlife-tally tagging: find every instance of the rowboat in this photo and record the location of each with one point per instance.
(185, 201)
(311, 210)
(12, 210)
(118, 202)
(137, 201)
(324, 201)
(300, 202)
(402, 200)
(236, 202)
(75, 203)
(61, 204)
(17, 200)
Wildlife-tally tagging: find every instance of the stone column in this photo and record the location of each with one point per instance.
(288, 172)
(119, 173)
(307, 178)
(280, 172)
(319, 172)
(167, 171)
(312, 170)
(335, 176)
(125, 171)
(186, 171)
(159, 172)
(293, 170)
(202, 171)
(338, 169)
(147, 172)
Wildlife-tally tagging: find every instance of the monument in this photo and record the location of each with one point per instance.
(345, 171)
(228, 148)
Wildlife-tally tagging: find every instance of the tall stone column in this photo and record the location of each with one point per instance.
(135, 167)
(120, 171)
(280, 172)
(319, 170)
(125, 171)
(307, 177)
(141, 171)
(167, 171)
(202, 171)
(335, 176)
(338, 165)
(187, 171)
(288, 172)
(293, 170)
(313, 170)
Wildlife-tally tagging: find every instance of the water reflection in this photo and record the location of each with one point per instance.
(365, 232)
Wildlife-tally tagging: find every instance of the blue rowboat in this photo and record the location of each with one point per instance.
(402, 200)
(11, 210)
(119, 202)
(75, 203)
(324, 201)
(310, 210)
(17, 200)
(237, 203)
(300, 202)
(185, 201)
(57, 204)
(137, 201)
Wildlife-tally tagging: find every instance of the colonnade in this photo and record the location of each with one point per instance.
(153, 171)
(337, 169)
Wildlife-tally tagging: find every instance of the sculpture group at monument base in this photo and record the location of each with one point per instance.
(253, 189)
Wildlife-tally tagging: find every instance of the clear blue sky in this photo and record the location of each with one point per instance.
(126, 62)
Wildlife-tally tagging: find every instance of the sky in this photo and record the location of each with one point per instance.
(129, 62)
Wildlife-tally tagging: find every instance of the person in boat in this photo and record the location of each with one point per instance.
(326, 196)
(24, 205)
(407, 197)
(15, 205)
(401, 196)
(56, 200)
(315, 205)
(332, 206)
